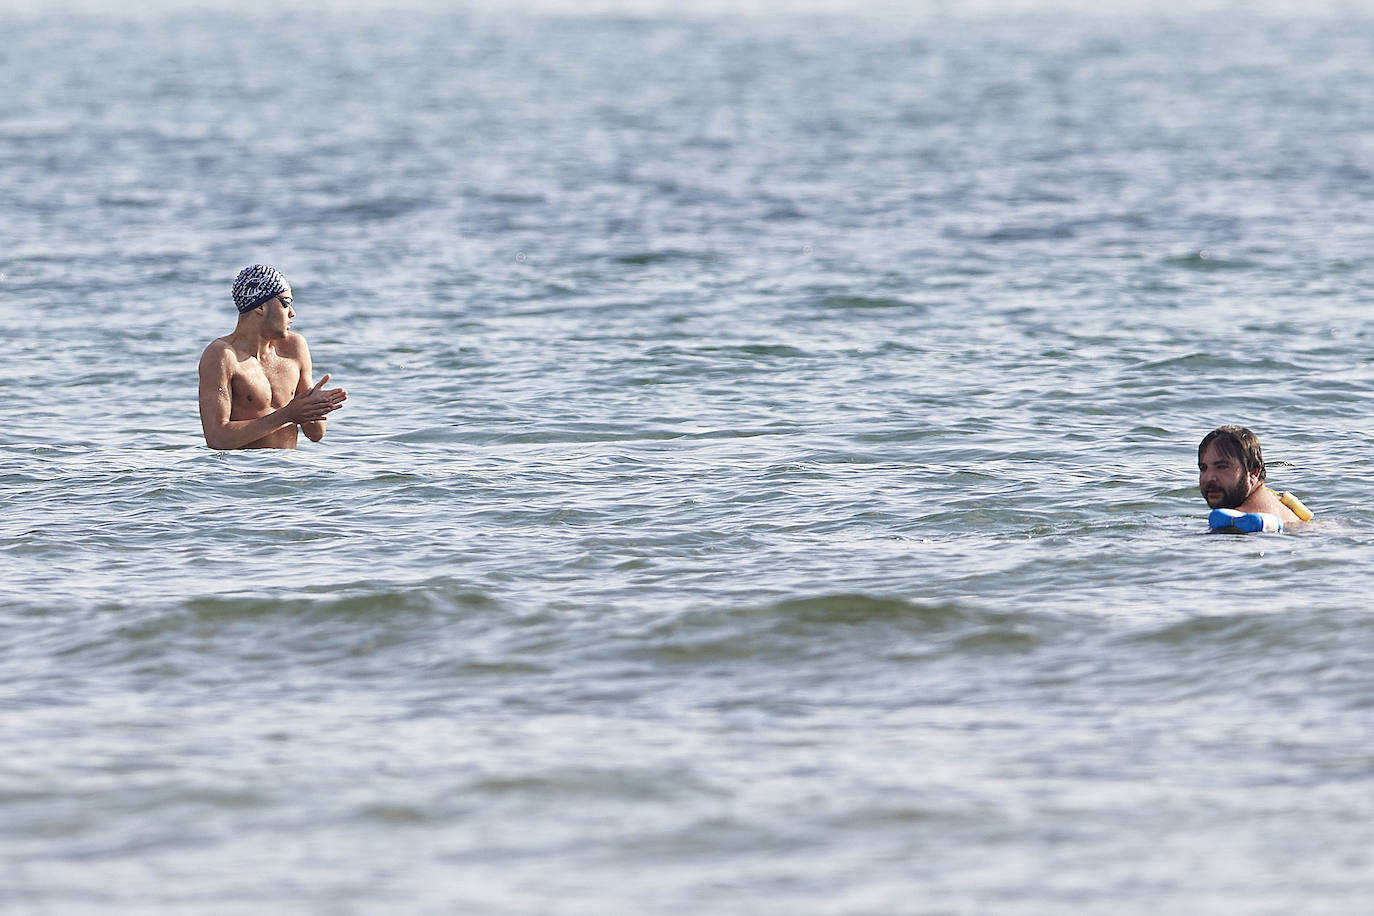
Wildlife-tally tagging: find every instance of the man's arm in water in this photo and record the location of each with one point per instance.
(313, 429)
(216, 404)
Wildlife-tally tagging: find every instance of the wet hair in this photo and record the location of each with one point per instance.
(1238, 444)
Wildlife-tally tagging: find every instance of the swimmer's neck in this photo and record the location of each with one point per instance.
(251, 340)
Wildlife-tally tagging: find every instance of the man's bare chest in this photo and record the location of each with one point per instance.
(261, 384)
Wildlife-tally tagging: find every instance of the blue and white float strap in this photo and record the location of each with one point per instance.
(1265, 522)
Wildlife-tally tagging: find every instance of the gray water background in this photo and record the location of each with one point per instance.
(767, 482)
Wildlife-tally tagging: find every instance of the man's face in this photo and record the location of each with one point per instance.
(279, 313)
(1222, 479)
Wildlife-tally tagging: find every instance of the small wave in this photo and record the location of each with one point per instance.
(1261, 634)
(612, 781)
(667, 255)
(870, 302)
(382, 208)
(751, 350)
(850, 609)
(349, 621)
(1202, 629)
(509, 197)
(1214, 362)
(1206, 260)
(784, 211)
(365, 600)
(132, 201)
(1031, 233)
(896, 629)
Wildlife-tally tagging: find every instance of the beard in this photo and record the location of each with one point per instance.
(1224, 498)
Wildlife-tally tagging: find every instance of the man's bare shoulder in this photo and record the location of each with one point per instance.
(219, 344)
(219, 352)
(292, 346)
(1266, 500)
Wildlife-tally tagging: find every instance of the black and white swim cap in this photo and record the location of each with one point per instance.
(255, 285)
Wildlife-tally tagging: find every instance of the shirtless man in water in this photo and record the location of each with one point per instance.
(255, 389)
(1231, 474)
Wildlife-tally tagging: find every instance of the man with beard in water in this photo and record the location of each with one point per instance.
(1231, 474)
(255, 389)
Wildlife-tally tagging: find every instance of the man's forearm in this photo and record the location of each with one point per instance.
(239, 433)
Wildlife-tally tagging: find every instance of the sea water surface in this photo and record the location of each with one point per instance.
(767, 482)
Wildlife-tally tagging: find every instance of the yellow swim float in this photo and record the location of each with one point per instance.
(1295, 504)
